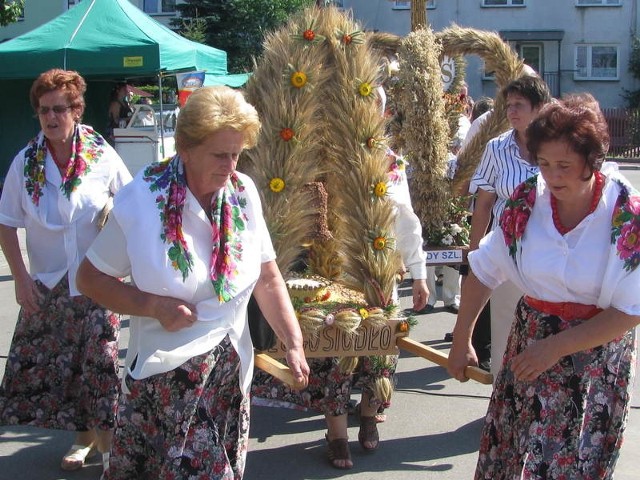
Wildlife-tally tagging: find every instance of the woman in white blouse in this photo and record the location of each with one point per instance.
(190, 233)
(569, 239)
(504, 165)
(62, 369)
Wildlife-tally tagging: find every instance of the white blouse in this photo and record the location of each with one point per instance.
(130, 245)
(407, 227)
(501, 170)
(582, 266)
(59, 230)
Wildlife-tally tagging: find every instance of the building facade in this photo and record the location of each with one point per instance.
(576, 45)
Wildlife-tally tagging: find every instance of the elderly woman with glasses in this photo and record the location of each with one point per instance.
(62, 368)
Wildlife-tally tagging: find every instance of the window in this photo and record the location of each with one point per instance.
(406, 5)
(502, 3)
(596, 62)
(159, 6)
(602, 3)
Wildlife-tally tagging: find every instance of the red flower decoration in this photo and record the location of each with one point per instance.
(347, 39)
(309, 35)
(287, 134)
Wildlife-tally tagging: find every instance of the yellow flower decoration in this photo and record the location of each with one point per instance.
(276, 185)
(380, 190)
(364, 313)
(365, 89)
(41, 177)
(379, 243)
(298, 79)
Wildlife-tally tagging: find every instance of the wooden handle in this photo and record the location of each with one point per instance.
(274, 368)
(441, 359)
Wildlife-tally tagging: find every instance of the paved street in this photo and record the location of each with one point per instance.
(432, 429)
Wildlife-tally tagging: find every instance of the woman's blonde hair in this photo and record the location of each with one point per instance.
(211, 109)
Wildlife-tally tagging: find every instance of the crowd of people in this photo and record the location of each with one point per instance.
(562, 345)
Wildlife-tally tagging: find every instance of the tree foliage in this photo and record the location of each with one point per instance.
(633, 97)
(10, 11)
(237, 26)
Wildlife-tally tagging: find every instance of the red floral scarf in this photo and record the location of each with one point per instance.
(87, 148)
(625, 221)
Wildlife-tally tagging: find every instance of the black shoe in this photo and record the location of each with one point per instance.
(448, 337)
(485, 365)
(453, 308)
(427, 309)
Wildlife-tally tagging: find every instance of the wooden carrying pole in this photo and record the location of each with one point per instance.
(274, 368)
(474, 373)
(282, 372)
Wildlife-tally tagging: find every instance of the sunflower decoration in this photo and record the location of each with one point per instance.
(380, 242)
(380, 189)
(350, 38)
(309, 35)
(366, 89)
(297, 78)
(276, 184)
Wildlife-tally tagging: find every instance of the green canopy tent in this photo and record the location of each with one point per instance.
(102, 40)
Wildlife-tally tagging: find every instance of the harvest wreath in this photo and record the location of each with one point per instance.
(322, 303)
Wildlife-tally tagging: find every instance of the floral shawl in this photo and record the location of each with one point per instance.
(87, 148)
(228, 219)
(625, 221)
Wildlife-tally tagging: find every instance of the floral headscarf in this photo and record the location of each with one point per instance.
(87, 148)
(228, 219)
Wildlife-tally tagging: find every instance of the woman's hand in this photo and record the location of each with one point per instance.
(27, 294)
(461, 355)
(534, 360)
(298, 365)
(420, 293)
(174, 314)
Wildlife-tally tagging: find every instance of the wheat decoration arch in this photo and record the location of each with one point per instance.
(499, 58)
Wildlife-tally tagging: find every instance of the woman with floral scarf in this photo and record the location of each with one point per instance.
(190, 233)
(62, 369)
(569, 238)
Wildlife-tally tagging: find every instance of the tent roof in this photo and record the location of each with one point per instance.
(106, 38)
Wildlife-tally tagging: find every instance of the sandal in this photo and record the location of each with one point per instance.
(368, 433)
(74, 459)
(105, 464)
(338, 451)
(380, 416)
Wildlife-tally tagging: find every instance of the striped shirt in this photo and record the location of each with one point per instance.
(501, 170)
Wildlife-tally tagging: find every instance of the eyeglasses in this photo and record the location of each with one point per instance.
(57, 109)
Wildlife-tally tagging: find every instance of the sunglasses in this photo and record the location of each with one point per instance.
(57, 109)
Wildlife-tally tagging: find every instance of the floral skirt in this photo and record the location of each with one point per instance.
(328, 391)
(62, 369)
(189, 423)
(567, 424)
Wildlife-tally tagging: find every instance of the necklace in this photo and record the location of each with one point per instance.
(597, 194)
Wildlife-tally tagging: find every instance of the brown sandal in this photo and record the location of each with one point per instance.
(339, 450)
(368, 433)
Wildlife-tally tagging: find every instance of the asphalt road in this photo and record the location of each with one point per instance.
(432, 430)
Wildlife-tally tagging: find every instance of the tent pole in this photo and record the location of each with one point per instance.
(161, 116)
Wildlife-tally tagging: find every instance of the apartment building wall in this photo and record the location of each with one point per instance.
(553, 29)
(555, 32)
